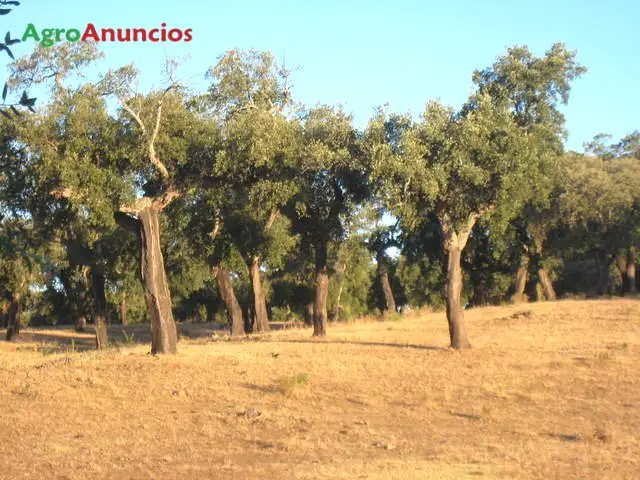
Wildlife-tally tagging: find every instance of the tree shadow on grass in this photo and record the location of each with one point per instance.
(358, 343)
(65, 338)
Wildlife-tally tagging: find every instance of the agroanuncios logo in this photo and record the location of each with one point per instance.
(50, 36)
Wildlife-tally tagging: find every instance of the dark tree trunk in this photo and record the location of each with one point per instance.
(248, 317)
(234, 311)
(322, 291)
(521, 279)
(81, 319)
(602, 263)
(389, 300)
(631, 270)
(453, 290)
(13, 317)
(81, 323)
(259, 300)
(548, 291)
(308, 314)
(99, 310)
(164, 335)
(123, 309)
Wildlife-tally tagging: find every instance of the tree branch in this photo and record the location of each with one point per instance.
(133, 114)
(272, 218)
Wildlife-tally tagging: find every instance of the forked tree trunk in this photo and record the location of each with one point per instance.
(164, 335)
(389, 300)
(123, 309)
(13, 317)
(631, 270)
(454, 243)
(547, 285)
(259, 300)
(322, 291)
(234, 312)
(99, 310)
(521, 279)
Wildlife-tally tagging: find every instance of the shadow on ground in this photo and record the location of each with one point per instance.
(65, 338)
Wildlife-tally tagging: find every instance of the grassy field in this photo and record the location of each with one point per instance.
(550, 390)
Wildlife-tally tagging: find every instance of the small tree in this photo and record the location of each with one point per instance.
(332, 180)
(483, 160)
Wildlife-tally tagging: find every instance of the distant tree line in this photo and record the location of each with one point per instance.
(241, 206)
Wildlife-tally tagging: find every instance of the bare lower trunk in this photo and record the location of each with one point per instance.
(322, 291)
(234, 311)
(548, 291)
(259, 300)
(457, 332)
(308, 314)
(164, 335)
(81, 323)
(13, 317)
(99, 310)
(123, 309)
(521, 280)
(631, 270)
(389, 300)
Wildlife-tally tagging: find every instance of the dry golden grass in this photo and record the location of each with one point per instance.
(549, 390)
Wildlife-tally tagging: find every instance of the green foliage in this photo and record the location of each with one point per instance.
(254, 177)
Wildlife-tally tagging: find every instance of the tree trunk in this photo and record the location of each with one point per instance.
(81, 319)
(13, 317)
(521, 279)
(341, 270)
(164, 335)
(322, 291)
(123, 309)
(454, 243)
(631, 270)
(389, 300)
(99, 310)
(81, 323)
(453, 290)
(234, 312)
(308, 314)
(259, 300)
(547, 285)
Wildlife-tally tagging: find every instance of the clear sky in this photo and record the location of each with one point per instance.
(364, 54)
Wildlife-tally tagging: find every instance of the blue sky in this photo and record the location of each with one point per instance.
(364, 54)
